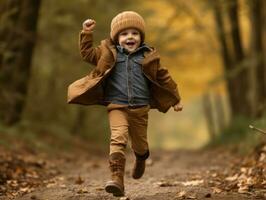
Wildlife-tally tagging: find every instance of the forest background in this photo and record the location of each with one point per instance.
(215, 51)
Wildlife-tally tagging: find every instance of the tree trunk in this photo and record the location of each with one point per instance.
(258, 66)
(240, 73)
(220, 112)
(21, 19)
(226, 57)
(209, 115)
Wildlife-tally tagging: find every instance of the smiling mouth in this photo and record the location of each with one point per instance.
(130, 43)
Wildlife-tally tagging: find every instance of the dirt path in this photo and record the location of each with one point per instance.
(169, 175)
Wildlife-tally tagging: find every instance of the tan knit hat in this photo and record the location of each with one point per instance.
(127, 19)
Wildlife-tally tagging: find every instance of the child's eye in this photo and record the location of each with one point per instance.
(124, 33)
(135, 33)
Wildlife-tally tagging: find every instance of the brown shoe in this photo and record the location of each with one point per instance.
(139, 166)
(117, 166)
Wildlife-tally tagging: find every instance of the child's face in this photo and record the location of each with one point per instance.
(129, 39)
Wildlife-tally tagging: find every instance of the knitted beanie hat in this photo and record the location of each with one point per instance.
(127, 19)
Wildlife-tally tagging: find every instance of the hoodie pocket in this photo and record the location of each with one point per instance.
(137, 65)
(120, 64)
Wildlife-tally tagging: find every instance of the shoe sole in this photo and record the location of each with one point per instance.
(137, 177)
(114, 189)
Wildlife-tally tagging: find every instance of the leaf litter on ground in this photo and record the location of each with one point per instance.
(246, 176)
(23, 173)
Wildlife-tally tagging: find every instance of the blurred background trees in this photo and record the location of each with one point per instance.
(213, 49)
(244, 67)
(18, 33)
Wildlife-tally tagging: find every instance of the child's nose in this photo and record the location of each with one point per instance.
(130, 35)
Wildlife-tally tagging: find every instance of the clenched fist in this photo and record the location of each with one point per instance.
(88, 25)
(178, 107)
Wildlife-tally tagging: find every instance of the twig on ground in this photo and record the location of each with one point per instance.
(257, 129)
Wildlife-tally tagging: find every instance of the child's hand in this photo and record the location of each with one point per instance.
(88, 25)
(178, 107)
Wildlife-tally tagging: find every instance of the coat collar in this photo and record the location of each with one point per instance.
(149, 56)
(144, 47)
(109, 43)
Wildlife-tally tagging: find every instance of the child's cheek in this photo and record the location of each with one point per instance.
(120, 40)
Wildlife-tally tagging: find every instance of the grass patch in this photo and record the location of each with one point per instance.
(47, 138)
(239, 137)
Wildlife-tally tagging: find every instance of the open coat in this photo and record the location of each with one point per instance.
(89, 89)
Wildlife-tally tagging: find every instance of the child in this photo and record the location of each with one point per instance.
(129, 80)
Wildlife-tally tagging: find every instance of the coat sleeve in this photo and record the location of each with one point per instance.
(87, 51)
(166, 81)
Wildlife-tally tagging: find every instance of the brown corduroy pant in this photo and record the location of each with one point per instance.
(125, 123)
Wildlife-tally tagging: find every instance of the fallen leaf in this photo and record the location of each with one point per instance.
(124, 198)
(244, 190)
(26, 189)
(191, 197)
(82, 191)
(208, 195)
(79, 180)
(165, 184)
(95, 165)
(184, 195)
(216, 190)
(192, 183)
(33, 197)
(232, 178)
(49, 185)
(181, 194)
(99, 189)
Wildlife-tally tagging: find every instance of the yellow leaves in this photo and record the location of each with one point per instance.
(162, 10)
(22, 173)
(243, 182)
(25, 190)
(246, 177)
(12, 183)
(187, 42)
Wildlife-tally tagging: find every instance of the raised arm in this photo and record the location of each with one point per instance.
(88, 52)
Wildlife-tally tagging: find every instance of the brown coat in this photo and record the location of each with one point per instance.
(89, 90)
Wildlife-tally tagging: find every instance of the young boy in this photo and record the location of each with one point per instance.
(129, 80)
